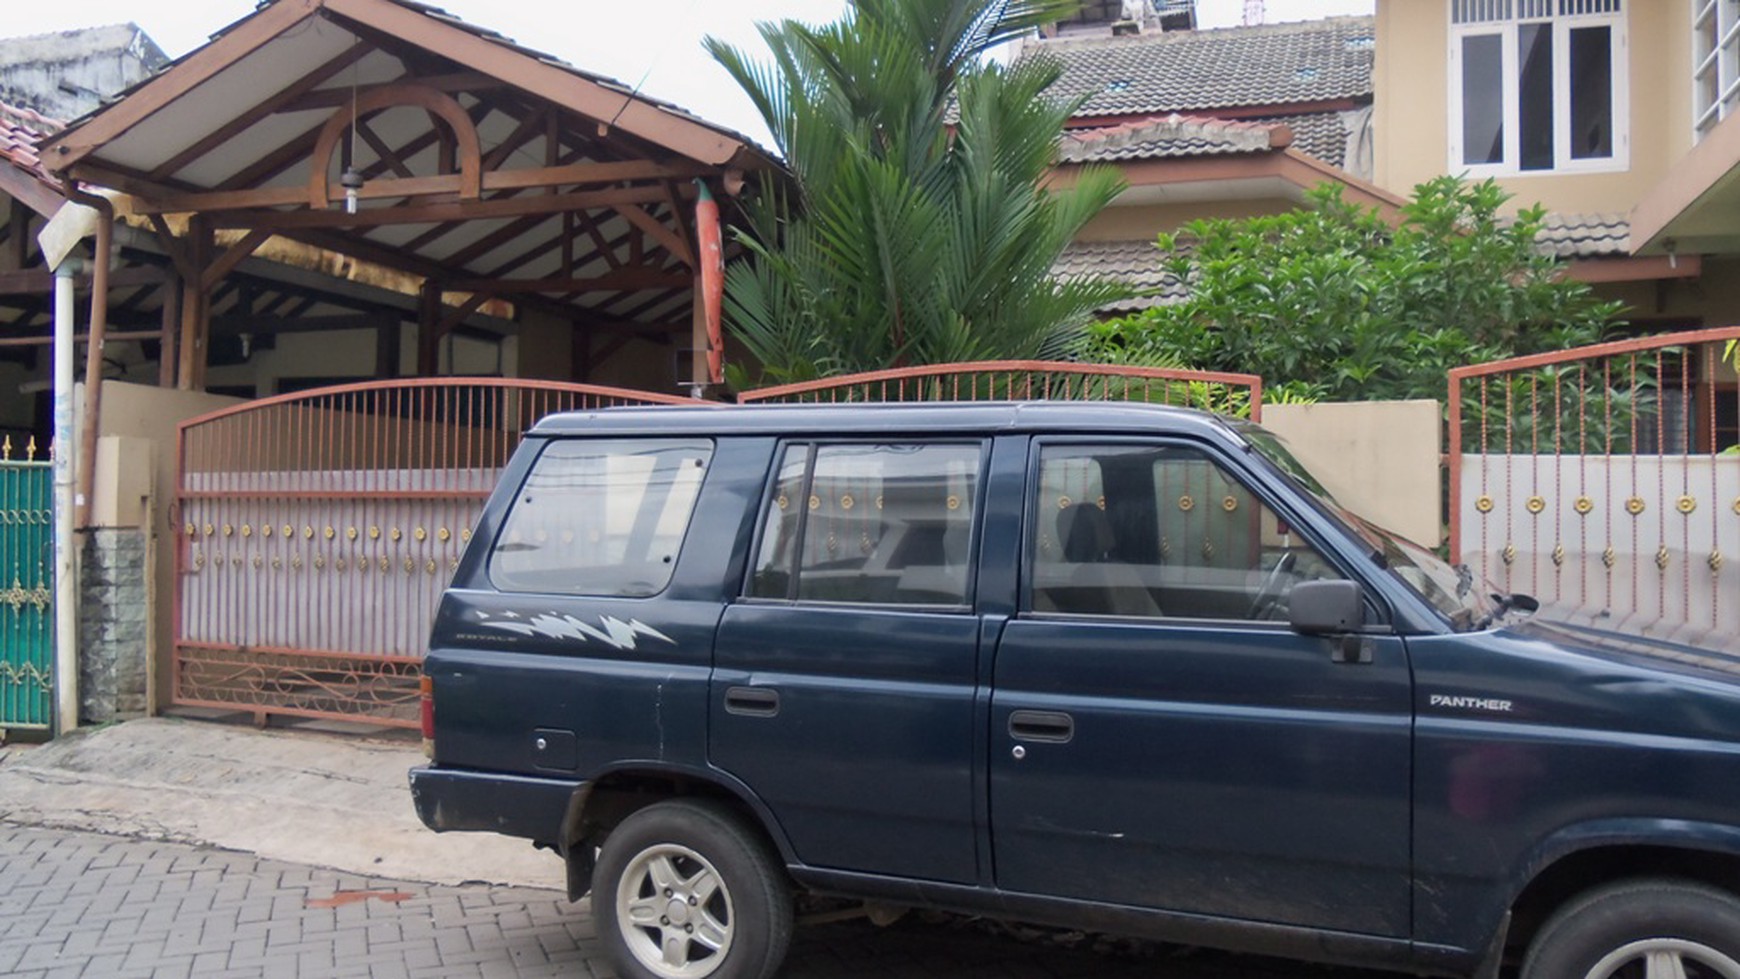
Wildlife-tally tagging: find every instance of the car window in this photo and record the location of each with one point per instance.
(599, 517)
(882, 524)
(1159, 531)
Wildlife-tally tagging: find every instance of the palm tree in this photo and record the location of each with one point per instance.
(918, 227)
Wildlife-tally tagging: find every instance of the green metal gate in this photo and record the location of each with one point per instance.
(26, 577)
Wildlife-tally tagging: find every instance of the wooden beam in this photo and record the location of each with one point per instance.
(463, 81)
(623, 280)
(274, 325)
(407, 93)
(230, 130)
(73, 144)
(523, 133)
(672, 241)
(226, 263)
(39, 281)
(166, 359)
(452, 318)
(26, 189)
(382, 150)
(387, 351)
(159, 200)
(456, 211)
(428, 322)
(195, 310)
(563, 86)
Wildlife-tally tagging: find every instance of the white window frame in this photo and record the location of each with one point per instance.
(1722, 61)
(1506, 28)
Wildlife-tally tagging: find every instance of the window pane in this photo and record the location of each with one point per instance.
(780, 526)
(889, 524)
(1152, 532)
(1591, 93)
(1482, 99)
(600, 518)
(1535, 96)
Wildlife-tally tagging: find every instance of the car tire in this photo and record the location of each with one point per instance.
(687, 890)
(1614, 932)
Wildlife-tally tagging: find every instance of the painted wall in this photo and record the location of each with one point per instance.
(136, 416)
(1412, 106)
(1143, 222)
(1380, 459)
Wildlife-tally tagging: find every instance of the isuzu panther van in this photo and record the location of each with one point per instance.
(1104, 666)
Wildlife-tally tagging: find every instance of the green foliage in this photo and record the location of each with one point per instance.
(907, 239)
(1335, 302)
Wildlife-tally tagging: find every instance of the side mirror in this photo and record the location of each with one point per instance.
(1322, 608)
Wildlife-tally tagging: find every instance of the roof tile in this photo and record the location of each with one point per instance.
(1181, 71)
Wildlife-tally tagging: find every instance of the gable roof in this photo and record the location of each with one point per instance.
(1185, 71)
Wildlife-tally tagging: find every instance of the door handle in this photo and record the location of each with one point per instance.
(752, 701)
(1052, 726)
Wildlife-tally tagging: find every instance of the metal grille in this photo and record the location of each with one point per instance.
(1480, 11)
(1027, 380)
(1606, 482)
(317, 531)
(26, 609)
(1502, 11)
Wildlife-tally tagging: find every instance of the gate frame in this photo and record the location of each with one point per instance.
(901, 375)
(1596, 351)
(182, 494)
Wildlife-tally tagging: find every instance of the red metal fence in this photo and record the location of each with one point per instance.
(317, 531)
(1606, 481)
(1025, 380)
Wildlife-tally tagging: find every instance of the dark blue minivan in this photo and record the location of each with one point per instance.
(1105, 666)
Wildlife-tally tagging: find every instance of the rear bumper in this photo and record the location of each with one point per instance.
(450, 799)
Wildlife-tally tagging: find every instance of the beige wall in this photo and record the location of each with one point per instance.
(1380, 459)
(1143, 222)
(138, 428)
(1412, 106)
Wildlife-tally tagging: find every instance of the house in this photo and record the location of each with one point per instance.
(1590, 108)
(69, 73)
(1230, 122)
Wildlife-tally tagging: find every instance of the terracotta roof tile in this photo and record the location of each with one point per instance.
(1136, 263)
(1174, 136)
(1585, 235)
(1182, 71)
(20, 130)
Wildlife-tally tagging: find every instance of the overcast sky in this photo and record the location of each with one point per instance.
(659, 41)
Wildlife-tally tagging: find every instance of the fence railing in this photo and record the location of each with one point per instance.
(1605, 481)
(1028, 380)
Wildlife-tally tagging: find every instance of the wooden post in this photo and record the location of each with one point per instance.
(17, 255)
(195, 310)
(428, 329)
(171, 323)
(387, 350)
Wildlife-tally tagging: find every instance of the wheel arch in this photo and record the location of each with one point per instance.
(601, 803)
(1580, 858)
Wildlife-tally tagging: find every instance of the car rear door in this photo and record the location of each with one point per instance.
(844, 674)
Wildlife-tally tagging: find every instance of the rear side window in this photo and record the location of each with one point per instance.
(604, 518)
(880, 524)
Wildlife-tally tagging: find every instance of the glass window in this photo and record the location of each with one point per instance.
(1483, 99)
(880, 524)
(1715, 61)
(598, 517)
(1538, 86)
(1160, 532)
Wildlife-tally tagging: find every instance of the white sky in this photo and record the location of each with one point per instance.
(611, 38)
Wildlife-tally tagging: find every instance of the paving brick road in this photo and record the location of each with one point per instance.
(75, 904)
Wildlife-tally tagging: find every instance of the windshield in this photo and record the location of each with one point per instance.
(1450, 590)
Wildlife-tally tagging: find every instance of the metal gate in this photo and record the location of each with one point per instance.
(26, 609)
(1027, 380)
(318, 530)
(1605, 481)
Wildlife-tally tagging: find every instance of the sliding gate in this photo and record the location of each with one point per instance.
(318, 530)
(26, 579)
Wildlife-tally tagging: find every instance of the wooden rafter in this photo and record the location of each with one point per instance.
(456, 211)
(277, 103)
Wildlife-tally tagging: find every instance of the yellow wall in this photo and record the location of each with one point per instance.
(1378, 458)
(1143, 222)
(1412, 106)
